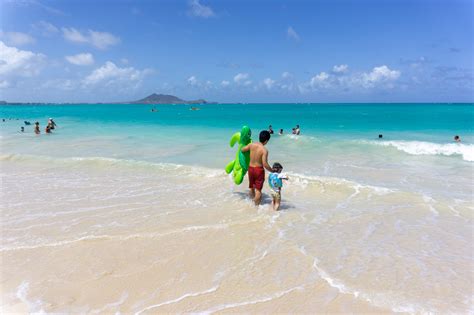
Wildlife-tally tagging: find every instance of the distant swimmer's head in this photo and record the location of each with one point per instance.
(277, 167)
(297, 126)
(264, 136)
(380, 136)
(457, 138)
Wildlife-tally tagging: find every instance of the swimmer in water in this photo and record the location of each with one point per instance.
(457, 138)
(270, 129)
(51, 124)
(297, 130)
(37, 128)
(280, 132)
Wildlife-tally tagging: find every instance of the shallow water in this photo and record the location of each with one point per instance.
(125, 210)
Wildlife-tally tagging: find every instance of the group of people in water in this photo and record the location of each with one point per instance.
(49, 127)
(295, 131)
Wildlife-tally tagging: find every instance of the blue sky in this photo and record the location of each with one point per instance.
(237, 51)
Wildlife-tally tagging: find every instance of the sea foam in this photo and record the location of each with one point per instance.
(430, 148)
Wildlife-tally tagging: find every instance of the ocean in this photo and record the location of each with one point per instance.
(125, 210)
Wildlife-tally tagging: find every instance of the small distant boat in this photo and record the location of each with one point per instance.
(194, 108)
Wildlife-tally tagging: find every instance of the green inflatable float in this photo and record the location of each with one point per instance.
(239, 166)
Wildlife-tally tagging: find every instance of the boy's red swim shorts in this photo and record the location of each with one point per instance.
(256, 177)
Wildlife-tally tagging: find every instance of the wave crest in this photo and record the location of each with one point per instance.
(430, 148)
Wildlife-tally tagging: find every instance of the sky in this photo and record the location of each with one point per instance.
(237, 51)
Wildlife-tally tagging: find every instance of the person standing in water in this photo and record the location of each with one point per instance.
(270, 129)
(258, 164)
(37, 128)
(275, 180)
(51, 124)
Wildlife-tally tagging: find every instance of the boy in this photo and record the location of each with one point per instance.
(275, 180)
(258, 161)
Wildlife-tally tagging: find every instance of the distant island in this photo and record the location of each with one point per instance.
(166, 99)
(151, 99)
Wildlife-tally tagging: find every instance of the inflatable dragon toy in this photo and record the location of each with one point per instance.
(239, 166)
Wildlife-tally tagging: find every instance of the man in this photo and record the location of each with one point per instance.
(297, 130)
(258, 164)
(51, 124)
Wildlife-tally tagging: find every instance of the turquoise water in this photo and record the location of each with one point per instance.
(335, 138)
(435, 122)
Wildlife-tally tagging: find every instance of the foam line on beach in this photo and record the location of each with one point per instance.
(190, 170)
(429, 148)
(251, 302)
(34, 307)
(120, 238)
(193, 228)
(303, 180)
(377, 301)
(178, 299)
(197, 171)
(104, 308)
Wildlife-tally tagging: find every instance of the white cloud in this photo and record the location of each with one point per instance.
(268, 82)
(286, 75)
(16, 38)
(225, 83)
(200, 10)
(84, 59)
(4, 84)
(193, 81)
(318, 79)
(241, 78)
(100, 40)
(46, 28)
(209, 85)
(109, 74)
(291, 33)
(15, 62)
(340, 68)
(379, 75)
(60, 84)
